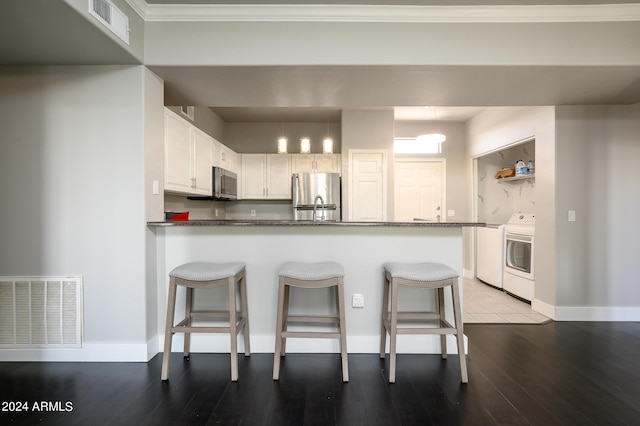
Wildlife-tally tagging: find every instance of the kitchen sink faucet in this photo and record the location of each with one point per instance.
(315, 205)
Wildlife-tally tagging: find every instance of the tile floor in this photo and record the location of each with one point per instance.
(485, 304)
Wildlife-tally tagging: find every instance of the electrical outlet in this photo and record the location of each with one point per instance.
(216, 212)
(357, 300)
(571, 215)
(451, 213)
(253, 213)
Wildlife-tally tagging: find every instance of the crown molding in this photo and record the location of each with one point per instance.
(384, 13)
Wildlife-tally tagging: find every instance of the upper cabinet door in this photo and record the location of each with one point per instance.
(177, 153)
(315, 163)
(253, 181)
(302, 163)
(278, 176)
(327, 163)
(201, 163)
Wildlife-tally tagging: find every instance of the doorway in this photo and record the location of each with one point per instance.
(419, 189)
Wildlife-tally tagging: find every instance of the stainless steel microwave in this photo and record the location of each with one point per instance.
(224, 186)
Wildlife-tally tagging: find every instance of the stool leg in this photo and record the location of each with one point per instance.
(168, 335)
(457, 312)
(343, 331)
(233, 332)
(385, 316)
(242, 283)
(441, 310)
(285, 318)
(279, 325)
(393, 331)
(187, 335)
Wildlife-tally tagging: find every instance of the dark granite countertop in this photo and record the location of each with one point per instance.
(423, 224)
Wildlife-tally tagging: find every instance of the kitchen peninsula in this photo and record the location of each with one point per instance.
(264, 245)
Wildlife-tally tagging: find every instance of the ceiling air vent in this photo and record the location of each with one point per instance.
(111, 17)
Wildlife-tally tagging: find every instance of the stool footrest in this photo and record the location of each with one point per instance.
(416, 315)
(181, 327)
(213, 314)
(444, 328)
(318, 334)
(320, 319)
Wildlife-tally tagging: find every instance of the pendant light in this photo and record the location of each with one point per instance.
(431, 137)
(282, 141)
(305, 145)
(327, 142)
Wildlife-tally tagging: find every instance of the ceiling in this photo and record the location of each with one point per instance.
(53, 33)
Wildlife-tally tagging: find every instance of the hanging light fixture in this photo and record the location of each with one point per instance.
(282, 145)
(305, 145)
(431, 137)
(282, 141)
(327, 146)
(327, 143)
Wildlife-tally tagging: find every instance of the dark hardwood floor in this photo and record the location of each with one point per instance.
(550, 374)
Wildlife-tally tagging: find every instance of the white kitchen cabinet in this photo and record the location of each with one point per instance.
(187, 157)
(315, 163)
(225, 157)
(265, 177)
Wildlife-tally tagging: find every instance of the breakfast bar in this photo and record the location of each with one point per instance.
(264, 245)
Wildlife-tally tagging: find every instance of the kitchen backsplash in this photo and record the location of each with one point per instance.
(498, 201)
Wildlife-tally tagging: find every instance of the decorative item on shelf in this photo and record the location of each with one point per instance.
(327, 146)
(305, 145)
(505, 173)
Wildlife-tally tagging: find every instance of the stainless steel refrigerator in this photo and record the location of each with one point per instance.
(316, 196)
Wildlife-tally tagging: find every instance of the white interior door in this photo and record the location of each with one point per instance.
(367, 192)
(418, 189)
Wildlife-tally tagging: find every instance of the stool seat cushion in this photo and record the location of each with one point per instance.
(428, 271)
(311, 271)
(206, 271)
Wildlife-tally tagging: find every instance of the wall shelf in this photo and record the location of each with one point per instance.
(516, 178)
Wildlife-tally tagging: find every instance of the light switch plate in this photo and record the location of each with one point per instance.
(358, 300)
(571, 215)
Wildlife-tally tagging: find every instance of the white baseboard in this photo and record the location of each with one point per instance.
(89, 352)
(202, 343)
(589, 313)
(468, 273)
(544, 308)
(409, 344)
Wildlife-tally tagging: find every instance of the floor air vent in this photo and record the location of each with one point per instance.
(111, 17)
(42, 312)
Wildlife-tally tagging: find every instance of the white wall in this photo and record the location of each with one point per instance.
(598, 154)
(72, 191)
(498, 127)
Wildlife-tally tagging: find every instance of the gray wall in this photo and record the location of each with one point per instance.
(204, 119)
(261, 138)
(367, 129)
(598, 154)
(453, 149)
(71, 185)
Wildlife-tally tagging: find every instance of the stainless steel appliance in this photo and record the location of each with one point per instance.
(224, 185)
(316, 196)
(519, 277)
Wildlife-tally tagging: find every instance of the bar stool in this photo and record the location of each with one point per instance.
(309, 275)
(426, 276)
(208, 275)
